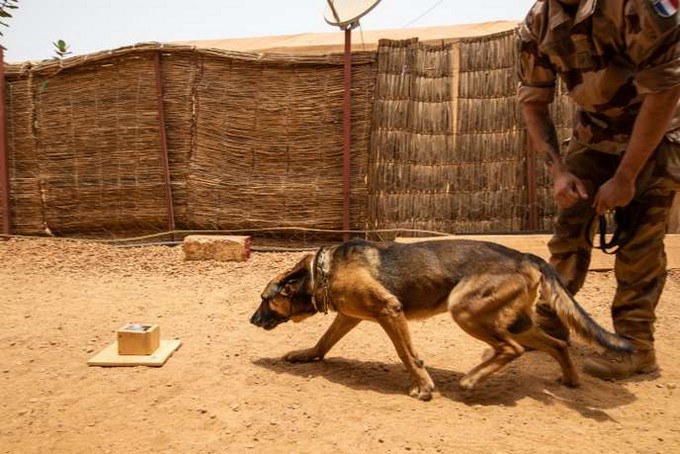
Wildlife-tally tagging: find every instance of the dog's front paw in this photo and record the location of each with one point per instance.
(303, 356)
(422, 393)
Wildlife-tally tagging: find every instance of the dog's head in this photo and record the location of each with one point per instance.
(287, 297)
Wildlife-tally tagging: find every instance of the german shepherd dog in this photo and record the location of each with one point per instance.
(491, 291)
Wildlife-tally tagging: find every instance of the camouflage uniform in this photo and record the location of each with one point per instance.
(609, 54)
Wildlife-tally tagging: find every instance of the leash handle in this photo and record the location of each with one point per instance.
(610, 247)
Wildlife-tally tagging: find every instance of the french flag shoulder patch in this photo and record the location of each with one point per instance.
(665, 8)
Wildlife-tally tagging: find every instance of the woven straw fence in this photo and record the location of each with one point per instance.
(269, 146)
(448, 146)
(27, 212)
(80, 148)
(253, 141)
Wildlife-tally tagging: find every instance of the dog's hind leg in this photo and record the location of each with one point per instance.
(393, 321)
(484, 309)
(342, 325)
(536, 338)
(504, 352)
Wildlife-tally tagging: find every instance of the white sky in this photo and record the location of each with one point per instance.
(95, 25)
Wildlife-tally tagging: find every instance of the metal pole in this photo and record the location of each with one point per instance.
(347, 132)
(4, 161)
(164, 145)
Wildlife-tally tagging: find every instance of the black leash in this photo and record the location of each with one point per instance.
(626, 220)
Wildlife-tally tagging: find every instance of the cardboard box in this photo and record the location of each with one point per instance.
(138, 339)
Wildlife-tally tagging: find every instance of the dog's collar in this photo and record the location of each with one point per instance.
(320, 268)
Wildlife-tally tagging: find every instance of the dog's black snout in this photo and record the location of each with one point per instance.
(256, 319)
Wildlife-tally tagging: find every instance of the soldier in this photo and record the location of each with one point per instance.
(620, 62)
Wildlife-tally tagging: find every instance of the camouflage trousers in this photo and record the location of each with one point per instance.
(640, 265)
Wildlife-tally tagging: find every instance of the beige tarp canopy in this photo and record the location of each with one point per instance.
(362, 39)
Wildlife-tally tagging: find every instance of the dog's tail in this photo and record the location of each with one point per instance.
(557, 296)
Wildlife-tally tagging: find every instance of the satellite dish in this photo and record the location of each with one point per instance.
(346, 13)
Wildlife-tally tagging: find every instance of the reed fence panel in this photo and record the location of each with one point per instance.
(447, 148)
(99, 147)
(255, 141)
(95, 150)
(22, 155)
(269, 146)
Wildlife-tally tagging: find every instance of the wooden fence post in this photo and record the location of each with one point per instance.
(4, 161)
(164, 144)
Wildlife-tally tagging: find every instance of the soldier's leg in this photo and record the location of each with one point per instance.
(569, 248)
(640, 270)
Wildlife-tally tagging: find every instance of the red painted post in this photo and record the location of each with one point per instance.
(347, 132)
(4, 161)
(164, 145)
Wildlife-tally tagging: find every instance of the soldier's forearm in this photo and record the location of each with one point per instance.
(651, 124)
(543, 134)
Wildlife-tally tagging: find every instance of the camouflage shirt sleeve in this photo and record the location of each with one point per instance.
(537, 77)
(652, 43)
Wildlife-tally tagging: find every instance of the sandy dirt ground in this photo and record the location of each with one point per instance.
(227, 390)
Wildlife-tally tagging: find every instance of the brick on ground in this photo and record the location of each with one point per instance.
(223, 248)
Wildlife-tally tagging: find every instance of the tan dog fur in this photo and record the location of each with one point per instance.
(491, 292)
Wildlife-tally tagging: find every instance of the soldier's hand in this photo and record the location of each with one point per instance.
(569, 189)
(615, 192)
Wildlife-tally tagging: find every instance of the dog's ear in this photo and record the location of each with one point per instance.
(296, 279)
(291, 286)
(291, 282)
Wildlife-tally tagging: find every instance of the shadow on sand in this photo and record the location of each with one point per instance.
(530, 377)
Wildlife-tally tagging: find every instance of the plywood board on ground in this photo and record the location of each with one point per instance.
(110, 357)
(538, 245)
